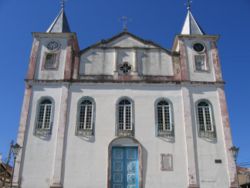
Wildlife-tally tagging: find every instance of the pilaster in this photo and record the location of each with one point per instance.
(184, 62)
(216, 62)
(228, 138)
(22, 135)
(189, 137)
(60, 146)
(33, 59)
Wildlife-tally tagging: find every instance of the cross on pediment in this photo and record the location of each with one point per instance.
(125, 68)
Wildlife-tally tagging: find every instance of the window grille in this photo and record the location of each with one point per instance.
(164, 119)
(125, 124)
(205, 120)
(85, 118)
(44, 120)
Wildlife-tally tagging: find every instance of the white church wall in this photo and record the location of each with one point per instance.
(39, 151)
(89, 158)
(51, 74)
(211, 174)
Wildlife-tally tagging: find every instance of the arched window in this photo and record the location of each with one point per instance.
(85, 117)
(125, 119)
(205, 119)
(164, 119)
(44, 119)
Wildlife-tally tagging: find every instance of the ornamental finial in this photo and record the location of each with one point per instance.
(63, 4)
(189, 2)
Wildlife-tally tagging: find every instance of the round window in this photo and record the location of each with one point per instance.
(198, 47)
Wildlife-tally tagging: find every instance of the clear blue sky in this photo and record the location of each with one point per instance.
(156, 20)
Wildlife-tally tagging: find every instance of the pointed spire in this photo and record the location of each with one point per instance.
(191, 27)
(60, 24)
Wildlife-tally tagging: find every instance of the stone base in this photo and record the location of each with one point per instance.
(15, 185)
(56, 186)
(193, 186)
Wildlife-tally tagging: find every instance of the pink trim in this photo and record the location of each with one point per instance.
(22, 135)
(76, 67)
(228, 137)
(216, 62)
(183, 62)
(33, 58)
(176, 68)
(69, 58)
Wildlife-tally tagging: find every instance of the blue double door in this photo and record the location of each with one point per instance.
(125, 167)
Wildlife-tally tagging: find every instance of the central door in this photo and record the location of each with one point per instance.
(125, 167)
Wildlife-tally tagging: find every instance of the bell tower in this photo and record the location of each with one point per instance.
(198, 52)
(54, 52)
(53, 63)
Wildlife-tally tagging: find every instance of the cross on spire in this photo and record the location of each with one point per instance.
(63, 4)
(189, 2)
(124, 20)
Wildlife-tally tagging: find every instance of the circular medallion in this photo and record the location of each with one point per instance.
(198, 47)
(53, 45)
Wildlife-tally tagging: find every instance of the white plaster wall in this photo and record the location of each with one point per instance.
(39, 153)
(211, 175)
(98, 62)
(197, 75)
(56, 74)
(157, 63)
(151, 62)
(87, 161)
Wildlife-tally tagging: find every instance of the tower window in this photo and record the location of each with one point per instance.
(44, 119)
(198, 47)
(125, 121)
(85, 118)
(164, 119)
(200, 62)
(205, 120)
(50, 61)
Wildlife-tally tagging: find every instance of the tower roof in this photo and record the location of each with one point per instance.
(60, 24)
(191, 27)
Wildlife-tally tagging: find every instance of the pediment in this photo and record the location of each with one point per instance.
(125, 40)
(128, 41)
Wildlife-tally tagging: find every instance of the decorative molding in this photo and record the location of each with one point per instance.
(167, 163)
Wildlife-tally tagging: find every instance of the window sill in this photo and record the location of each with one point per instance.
(85, 132)
(43, 132)
(167, 134)
(125, 133)
(208, 135)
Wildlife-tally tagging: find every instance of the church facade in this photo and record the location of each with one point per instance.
(124, 113)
